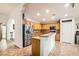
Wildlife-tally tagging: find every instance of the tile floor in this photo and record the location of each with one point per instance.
(17, 52)
(13, 50)
(65, 49)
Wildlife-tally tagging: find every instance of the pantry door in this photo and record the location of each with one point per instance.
(67, 31)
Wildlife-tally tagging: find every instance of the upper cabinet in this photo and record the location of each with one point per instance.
(39, 26)
(47, 26)
(36, 26)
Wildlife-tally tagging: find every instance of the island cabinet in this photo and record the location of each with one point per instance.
(43, 44)
(36, 46)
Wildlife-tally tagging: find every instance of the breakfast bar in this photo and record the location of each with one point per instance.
(43, 44)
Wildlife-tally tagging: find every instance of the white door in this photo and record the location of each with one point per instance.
(67, 32)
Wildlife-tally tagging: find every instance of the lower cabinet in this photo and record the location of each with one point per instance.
(35, 47)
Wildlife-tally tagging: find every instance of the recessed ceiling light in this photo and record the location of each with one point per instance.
(66, 15)
(38, 14)
(44, 19)
(66, 5)
(47, 10)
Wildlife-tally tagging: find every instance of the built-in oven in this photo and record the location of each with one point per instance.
(52, 29)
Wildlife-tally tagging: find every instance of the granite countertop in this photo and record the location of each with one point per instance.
(36, 37)
(44, 35)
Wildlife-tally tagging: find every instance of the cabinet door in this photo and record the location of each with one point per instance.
(45, 26)
(37, 26)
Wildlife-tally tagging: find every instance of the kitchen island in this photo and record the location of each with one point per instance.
(43, 44)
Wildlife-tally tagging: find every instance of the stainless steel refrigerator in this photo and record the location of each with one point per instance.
(27, 35)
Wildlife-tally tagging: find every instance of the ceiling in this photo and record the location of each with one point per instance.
(58, 9)
(6, 9)
(31, 10)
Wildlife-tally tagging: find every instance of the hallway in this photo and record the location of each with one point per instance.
(65, 49)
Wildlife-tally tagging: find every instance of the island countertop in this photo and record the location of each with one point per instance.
(36, 37)
(43, 35)
(46, 35)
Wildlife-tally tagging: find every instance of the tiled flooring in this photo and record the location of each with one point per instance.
(13, 50)
(65, 49)
(17, 52)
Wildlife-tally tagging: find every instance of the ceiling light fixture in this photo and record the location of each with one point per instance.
(38, 14)
(47, 10)
(66, 15)
(66, 5)
(44, 19)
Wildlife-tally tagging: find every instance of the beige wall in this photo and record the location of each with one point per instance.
(17, 16)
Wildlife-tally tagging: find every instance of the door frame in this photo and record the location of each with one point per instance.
(74, 29)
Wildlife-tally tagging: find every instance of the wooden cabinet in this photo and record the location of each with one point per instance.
(45, 27)
(35, 47)
(57, 37)
(58, 26)
(37, 26)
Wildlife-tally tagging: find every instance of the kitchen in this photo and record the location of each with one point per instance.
(42, 35)
(43, 20)
(44, 29)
